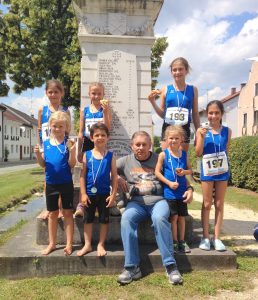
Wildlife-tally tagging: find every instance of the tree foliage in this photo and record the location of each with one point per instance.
(38, 41)
(157, 52)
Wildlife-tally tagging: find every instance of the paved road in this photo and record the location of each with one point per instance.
(10, 169)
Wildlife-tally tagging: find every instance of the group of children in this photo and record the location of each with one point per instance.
(98, 181)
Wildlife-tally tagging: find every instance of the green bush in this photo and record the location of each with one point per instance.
(243, 156)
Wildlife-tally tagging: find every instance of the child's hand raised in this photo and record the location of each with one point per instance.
(85, 200)
(173, 185)
(180, 172)
(104, 103)
(202, 131)
(154, 95)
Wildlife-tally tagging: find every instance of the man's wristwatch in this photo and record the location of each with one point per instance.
(189, 187)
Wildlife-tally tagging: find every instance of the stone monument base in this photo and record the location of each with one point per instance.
(145, 231)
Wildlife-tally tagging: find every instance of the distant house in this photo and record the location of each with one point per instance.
(18, 134)
(2, 109)
(230, 117)
(248, 104)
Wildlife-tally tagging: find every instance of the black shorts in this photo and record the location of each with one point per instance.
(177, 207)
(99, 202)
(87, 144)
(186, 130)
(52, 194)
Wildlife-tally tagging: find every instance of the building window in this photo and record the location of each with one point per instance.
(24, 150)
(28, 150)
(16, 148)
(5, 129)
(245, 121)
(256, 117)
(256, 89)
(20, 132)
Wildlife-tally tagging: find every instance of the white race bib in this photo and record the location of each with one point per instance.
(45, 132)
(89, 123)
(175, 116)
(215, 164)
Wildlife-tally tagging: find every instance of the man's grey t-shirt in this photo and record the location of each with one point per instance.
(141, 176)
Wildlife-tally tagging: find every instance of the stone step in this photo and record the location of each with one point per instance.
(21, 257)
(145, 231)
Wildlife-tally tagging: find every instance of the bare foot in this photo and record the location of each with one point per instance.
(101, 250)
(45, 215)
(86, 249)
(60, 214)
(48, 250)
(68, 250)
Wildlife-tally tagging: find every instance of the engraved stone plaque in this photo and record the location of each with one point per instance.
(117, 71)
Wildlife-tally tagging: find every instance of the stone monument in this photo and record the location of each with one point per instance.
(116, 39)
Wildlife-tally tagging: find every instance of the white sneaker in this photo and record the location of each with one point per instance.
(218, 245)
(205, 244)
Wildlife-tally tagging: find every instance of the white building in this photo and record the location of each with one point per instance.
(230, 117)
(18, 134)
(2, 109)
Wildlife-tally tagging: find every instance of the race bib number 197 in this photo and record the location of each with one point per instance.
(215, 164)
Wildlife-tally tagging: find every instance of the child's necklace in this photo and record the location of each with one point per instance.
(65, 148)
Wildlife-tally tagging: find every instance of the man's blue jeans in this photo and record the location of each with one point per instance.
(135, 213)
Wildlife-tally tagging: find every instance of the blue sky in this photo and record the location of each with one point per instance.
(215, 36)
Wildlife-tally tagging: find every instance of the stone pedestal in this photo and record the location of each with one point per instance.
(145, 231)
(116, 39)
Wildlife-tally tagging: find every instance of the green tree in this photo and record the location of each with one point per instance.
(39, 40)
(157, 52)
(4, 89)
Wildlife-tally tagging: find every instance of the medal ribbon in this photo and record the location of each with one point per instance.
(92, 157)
(172, 169)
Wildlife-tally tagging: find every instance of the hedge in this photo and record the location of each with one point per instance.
(243, 160)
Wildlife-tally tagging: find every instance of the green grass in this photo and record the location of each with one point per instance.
(19, 184)
(240, 198)
(198, 284)
(4, 237)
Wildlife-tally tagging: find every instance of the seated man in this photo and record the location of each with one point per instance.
(146, 200)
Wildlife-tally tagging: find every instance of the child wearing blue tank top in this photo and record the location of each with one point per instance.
(98, 111)
(57, 159)
(98, 172)
(178, 101)
(171, 168)
(54, 92)
(213, 145)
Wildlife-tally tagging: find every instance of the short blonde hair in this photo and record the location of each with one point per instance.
(61, 116)
(97, 84)
(175, 128)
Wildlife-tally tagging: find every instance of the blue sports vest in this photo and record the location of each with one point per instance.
(92, 117)
(57, 168)
(172, 100)
(102, 182)
(46, 113)
(177, 194)
(208, 148)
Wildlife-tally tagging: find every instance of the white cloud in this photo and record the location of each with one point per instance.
(201, 31)
(28, 105)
